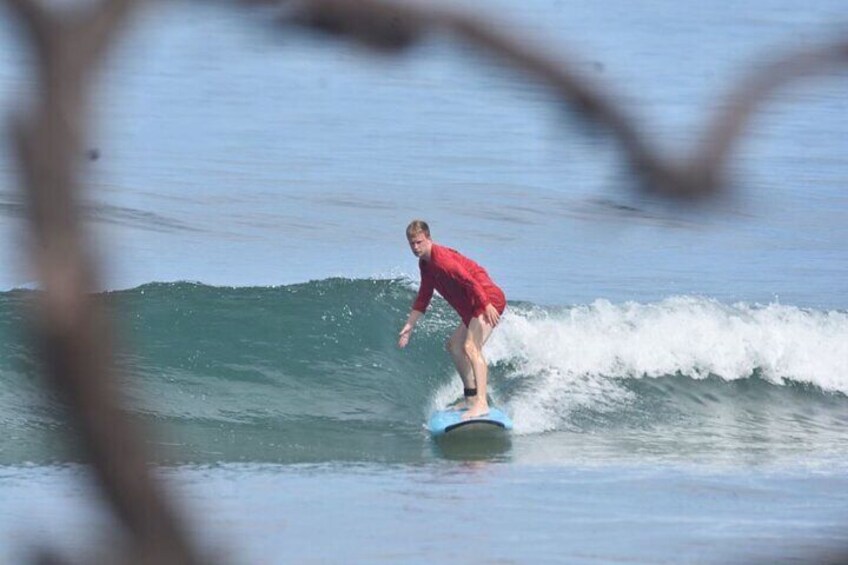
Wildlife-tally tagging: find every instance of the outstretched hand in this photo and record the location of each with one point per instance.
(404, 336)
(491, 315)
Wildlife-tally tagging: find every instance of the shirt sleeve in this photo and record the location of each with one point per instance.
(425, 291)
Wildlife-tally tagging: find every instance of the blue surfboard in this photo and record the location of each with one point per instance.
(444, 422)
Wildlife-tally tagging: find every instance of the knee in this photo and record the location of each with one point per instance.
(453, 347)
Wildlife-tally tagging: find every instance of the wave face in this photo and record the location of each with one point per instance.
(312, 373)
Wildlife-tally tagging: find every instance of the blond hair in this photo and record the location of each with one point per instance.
(416, 227)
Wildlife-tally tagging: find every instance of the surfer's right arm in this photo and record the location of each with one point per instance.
(406, 331)
(425, 293)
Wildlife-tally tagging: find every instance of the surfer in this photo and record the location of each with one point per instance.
(466, 286)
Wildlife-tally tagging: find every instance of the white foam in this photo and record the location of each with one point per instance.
(446, 394)
(570, 354)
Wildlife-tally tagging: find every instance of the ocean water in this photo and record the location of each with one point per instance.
(677, 375)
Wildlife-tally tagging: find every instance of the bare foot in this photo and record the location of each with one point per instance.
(476, 411)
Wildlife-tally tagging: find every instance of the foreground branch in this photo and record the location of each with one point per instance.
(393, 27)
(71, 327)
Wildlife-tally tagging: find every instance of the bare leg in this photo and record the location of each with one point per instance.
(455, 346)
(478, 333)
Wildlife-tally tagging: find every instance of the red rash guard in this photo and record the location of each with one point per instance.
(462, 282)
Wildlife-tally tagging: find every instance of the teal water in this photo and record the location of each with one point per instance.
(311, 373)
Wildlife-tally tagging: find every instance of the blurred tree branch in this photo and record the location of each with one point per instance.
(393, 26)
(71, 326)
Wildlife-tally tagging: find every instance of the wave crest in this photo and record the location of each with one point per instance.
(577, 357)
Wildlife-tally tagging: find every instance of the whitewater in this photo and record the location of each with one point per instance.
(575, 356)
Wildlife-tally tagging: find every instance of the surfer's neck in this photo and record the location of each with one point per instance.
(428, 254)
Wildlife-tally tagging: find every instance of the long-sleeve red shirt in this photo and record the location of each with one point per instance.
(463, 283)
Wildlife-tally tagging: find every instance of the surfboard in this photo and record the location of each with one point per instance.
(444, 422)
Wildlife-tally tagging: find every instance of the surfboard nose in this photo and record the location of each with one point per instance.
(443, 422)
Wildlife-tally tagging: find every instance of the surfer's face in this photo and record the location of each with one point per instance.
(420, 244)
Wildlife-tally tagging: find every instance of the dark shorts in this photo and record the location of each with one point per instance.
(498, 300)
